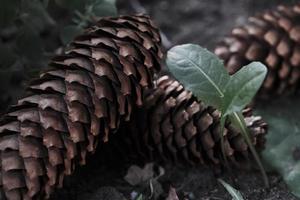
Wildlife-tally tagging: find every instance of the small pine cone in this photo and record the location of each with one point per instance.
(272, 38)
(76, 103)
(173, 125)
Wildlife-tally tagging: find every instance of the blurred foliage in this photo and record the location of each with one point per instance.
(282, 151)
(33, 31)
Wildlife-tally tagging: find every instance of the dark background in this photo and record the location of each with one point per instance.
(203, 22)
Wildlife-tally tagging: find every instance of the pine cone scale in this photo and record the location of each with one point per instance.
(272, 38)
(176, 126)
(74, 104)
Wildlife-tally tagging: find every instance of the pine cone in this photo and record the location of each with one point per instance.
(173, 125)
(76, 103)
(272, 38)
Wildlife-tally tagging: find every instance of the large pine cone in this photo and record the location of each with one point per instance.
(76, 103)
(273, 38)
(173, 125)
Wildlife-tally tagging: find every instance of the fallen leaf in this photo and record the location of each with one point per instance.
(172, 194)
(136, 175)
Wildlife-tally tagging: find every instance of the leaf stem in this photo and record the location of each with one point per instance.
(239, 119)
(222, 126)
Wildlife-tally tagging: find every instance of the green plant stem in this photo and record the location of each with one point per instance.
(222, 126)
(240, 122)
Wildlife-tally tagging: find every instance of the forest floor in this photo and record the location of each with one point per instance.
(102, 179)
(202, 22)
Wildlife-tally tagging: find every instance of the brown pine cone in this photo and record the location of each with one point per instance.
(273, 38)
(76, 103)
(173, 125)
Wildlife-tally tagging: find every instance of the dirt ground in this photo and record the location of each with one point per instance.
(203, 22)
(103, 179)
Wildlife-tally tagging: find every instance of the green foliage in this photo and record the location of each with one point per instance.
(235, 194)
(199, 71)
(242, 87)
(282, 147)
(204, 74)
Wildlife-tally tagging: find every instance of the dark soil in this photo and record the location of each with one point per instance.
(203, 22)
(102, 180)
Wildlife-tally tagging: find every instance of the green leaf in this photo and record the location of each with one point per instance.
(68, 33)
(200, 71)
(242, 87)
(236, 195)
(283, 139)
(205, 75)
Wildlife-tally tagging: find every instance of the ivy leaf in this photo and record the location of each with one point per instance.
(242, 87)
(235, 194)
(200, 71)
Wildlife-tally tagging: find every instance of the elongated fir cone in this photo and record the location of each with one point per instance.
(273, 38)
(173, 125)
(81, 98)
